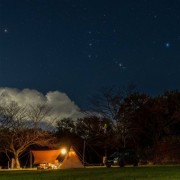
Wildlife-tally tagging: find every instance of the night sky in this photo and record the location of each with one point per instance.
(79, 46)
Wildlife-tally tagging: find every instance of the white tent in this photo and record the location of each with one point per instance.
(72, 160)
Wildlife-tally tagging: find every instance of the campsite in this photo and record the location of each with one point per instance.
(31, 152)
(48, 159)
(71, 167)
(89, 89)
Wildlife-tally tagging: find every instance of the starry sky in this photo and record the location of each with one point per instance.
(79, 46)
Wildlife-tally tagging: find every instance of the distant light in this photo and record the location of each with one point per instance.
(155, 16)
(120, 65)
(63, 151)
(5, 30)
(167, 44)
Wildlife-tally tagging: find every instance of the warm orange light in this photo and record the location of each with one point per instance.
(63, 151)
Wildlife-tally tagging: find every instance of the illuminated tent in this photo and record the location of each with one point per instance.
(71, 160)
(46, 156)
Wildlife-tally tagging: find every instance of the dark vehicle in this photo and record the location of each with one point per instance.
(122, 158)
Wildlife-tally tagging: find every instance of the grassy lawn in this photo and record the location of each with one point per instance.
(126, 173)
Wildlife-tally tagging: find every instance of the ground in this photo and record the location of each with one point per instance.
(128, 173)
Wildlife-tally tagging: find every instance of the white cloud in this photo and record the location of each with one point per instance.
(63, 106)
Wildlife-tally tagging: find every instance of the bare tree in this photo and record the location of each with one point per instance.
(109, 100)
(21, 127)
(108, 103)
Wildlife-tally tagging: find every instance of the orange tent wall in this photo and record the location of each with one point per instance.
(41, 157)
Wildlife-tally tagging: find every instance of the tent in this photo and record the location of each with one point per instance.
(71, 160)
(46, 156)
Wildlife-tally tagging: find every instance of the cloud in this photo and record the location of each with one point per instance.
(63, 106)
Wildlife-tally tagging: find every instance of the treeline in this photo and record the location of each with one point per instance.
(151, 125)
(117, 119)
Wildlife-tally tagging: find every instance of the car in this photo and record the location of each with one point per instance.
(122, 158)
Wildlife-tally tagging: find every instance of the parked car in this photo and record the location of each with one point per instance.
(122, 158)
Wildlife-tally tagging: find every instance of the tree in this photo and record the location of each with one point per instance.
(158, 122)
(92, 128)
(108, 103)
(97, 133)
(65, 126)
(21, 127)
(66, 132)
(127, 128)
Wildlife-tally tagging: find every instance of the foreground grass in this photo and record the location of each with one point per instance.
(127, 173)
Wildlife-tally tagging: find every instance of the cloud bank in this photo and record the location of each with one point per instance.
(62, 105)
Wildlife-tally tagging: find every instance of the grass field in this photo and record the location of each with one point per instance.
(126, 173)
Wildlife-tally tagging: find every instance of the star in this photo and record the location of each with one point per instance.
(155, 16)
(167, 44)
(121, 66)
(90, 44)
(5, 30)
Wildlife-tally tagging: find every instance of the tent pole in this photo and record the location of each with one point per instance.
(30, 159)
(84, 148)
